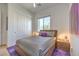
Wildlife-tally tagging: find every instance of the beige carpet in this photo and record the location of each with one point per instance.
(3, 51)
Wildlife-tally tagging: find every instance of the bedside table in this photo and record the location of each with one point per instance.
(63, 44)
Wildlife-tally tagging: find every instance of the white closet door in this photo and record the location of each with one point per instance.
(12, 28)
(23, 25)
(19, 24)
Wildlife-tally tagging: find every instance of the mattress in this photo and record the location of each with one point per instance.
(35, 46)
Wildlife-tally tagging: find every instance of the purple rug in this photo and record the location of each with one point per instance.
(12, 51)
(57, 52)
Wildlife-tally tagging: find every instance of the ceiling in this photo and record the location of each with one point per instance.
(43, 6)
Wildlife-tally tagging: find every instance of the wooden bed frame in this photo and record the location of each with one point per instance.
(21, 52)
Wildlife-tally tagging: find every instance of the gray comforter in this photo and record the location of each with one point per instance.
(36, 45)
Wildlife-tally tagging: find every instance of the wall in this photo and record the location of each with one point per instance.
(74, 19)
(74, 51)
(59, 18)
(19, 23)
(74, 30)
(4, 10)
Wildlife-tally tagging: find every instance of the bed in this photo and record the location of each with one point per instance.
(37, 45)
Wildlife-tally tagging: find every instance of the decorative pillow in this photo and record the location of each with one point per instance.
(44, 34)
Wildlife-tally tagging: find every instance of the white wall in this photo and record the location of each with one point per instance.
(4, 10)
(74, 42)
(59, 17)
(19, 23)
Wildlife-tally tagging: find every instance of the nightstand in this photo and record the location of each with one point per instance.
(63, 44)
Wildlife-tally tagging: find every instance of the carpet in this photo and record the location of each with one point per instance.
(12, 51)
(57, 52)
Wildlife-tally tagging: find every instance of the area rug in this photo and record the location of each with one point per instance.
(12, 51)
(57, 52)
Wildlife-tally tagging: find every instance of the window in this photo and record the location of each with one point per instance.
(44, 23)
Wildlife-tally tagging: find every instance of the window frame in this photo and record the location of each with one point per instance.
(43, 20)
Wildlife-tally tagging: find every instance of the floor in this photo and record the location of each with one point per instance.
(3, 51)
(62, 47)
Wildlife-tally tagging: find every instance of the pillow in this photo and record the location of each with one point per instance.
(44, 34)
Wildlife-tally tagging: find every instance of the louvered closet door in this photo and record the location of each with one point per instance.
(23, 25)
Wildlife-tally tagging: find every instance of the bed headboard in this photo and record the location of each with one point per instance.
(54, 32)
